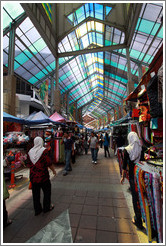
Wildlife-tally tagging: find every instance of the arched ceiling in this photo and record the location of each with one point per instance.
(90, 40)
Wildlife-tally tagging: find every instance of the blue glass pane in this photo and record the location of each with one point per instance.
(108, 9)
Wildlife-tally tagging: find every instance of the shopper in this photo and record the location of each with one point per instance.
(38, 161)
(86, 144)
(132, 154)
(69, 150)
(106, 144)
(6, 221)
(101, 140)
(93, 146)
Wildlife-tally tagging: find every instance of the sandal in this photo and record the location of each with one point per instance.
(51, 208)
(137, 225)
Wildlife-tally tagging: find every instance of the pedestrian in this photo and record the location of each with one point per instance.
(132, 154)
(86, 145)
(6, 220)
(93, 146)
(38, 161)
(101, 140)
(69, 150)
(106, 144)
(73, 156)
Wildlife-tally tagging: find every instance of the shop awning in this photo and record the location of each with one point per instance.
(57, 118)
(11, 118)
(37, 118)
(124, 119)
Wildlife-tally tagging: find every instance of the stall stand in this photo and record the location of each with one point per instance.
(149, 173)
(14, 144)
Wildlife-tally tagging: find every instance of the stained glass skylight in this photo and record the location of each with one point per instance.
(100, 78)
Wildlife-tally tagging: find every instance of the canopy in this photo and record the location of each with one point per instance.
(11, 118)
(57, 118)
(124, 119)
(37, 118)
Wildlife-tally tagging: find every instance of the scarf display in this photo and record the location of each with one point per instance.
(59, 152)
(148, 182)
(36, 152)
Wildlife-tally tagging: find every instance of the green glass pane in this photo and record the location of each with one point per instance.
(16, 65)
(52, 65)
(160, 34)
(39, 45)
(61, 60)
(33, 80)
(22, 58)
(68, 73)
(6, 19)
(40, 75)
(70, 17)
(146, 26)
(14, 9)
(147, 57)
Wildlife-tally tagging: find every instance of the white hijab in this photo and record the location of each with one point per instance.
(36, 152)
(134, 148)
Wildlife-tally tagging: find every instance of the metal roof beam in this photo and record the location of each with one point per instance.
(31, 53)
(132, 22)
(93, 50)
(15, 23)
(111, 92)
(132, 59)
(108, 23)
(82, 106)
(118, 81)
(82, 97)
(36, 13)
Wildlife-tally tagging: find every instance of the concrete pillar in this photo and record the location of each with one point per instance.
(9, 93)
(52, 94)
(57, 94)
(130, 84)
(11, 50)
(139, 72)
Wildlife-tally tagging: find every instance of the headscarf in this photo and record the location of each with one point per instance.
(36, 152)
(134, 148)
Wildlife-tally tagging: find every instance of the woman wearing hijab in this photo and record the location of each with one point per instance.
(132, 154)
(38, 161)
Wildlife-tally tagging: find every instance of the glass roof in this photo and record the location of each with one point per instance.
(99, 79)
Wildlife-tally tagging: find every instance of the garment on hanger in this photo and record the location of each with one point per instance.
(148, 183)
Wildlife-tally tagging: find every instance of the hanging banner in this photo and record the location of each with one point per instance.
(115, 115)
(44, 91)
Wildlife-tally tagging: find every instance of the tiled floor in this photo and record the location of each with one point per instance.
(93, 196)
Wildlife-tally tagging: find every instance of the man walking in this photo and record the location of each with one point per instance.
(93, 146)
(69, 149)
